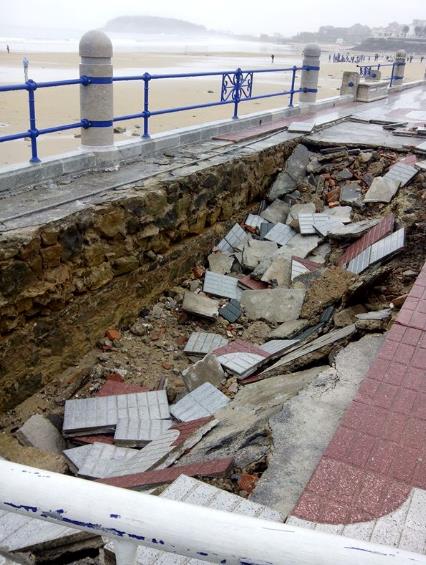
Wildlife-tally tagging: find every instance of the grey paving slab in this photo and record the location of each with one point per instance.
(201, 343)
(275, 305)
(302, 127)
(206, 370)
(77, 456)
(146, 458)
(101, 414)
(401, 174)
(39, 432)
(220, 263)
(192, 491)
(280, 234)
(265, 228)
(360, 262)
(221, 285)
(99, 459)
(388, 245)
(18, 532)
(326, 226)
(204, 401)
(242, 364)
(254, 221)
(231, 311)
(421, 165)
(235, 237)
(421, 147)
(137, 432)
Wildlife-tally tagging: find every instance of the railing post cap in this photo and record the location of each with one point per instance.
(401, 54)
(312, 50)
(95, 43)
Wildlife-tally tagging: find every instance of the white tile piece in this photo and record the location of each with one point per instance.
(137, 432)
(241, 363)
(254, 221)
(191, 491)
(298, 269)
(101, 413)
(421, 146)
(234, 238)
(277, 346)
(387, 245)
(77, 455)
(324, 227)
(201, 343)
(307, 221)
(221, 285)
(201, 402)
(360, 262)
(280, 234)
(401, 174)
(302, 127)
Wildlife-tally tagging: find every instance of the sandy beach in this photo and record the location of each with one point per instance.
(61, 105)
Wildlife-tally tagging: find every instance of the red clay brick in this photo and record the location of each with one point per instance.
(112, 388)
(186, 429)
(253, 284)
(215, 468)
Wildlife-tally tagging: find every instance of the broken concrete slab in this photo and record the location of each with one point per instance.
(341, 213)
(351, 194)
(39, 432)
(323, 227)
(100, 414)
(138, 432)
(207, 370)
(294, 172)
(277, 305)
(201, 343)
(373, 321)
(186, 489)
(254, 251)
(298, 446)
(220, 263)
(149, 479)
(278, 273)
(276, 212)
(312, 351)
(401, 173)
(204, 401)
(296, 210)
(299, 245)
(221, 285)
(352, 231)
(289, 329)
(276, 347)
(301, 127)
(280, 234)
(381, 190)
(231, 311)
(200, 305)
(12, 450)
(320, 254)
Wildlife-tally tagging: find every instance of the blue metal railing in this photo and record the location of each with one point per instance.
(369, 71)
(236, 87)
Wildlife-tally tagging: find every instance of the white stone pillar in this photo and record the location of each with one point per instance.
(96, 98)
(311, 58)
(350, 82)
(399, 68)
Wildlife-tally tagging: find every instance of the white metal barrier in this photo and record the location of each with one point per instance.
(133, 518)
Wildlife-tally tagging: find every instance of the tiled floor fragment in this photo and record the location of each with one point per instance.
(371, 480)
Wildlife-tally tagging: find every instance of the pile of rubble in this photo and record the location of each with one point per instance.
(280, 293)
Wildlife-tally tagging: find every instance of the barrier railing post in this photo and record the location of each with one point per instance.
(31, 87)
(146, 79)
(309, 79)
(236, 95)
(96, 93)
(293, 82)
(398, 70)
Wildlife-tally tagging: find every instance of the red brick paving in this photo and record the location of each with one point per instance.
(378, 452)
(113, 387)
(311, 265)
(240, 346)
(379, 231)
(252, 284)
(215, 468)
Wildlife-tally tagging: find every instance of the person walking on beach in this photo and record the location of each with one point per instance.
(25, 64)
(8, 49)
(272, 59)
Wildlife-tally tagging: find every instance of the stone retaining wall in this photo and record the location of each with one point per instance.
(63, 284)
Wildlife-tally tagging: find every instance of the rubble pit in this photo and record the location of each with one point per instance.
(144, 326)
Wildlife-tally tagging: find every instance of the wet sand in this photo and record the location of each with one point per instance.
(61, 105)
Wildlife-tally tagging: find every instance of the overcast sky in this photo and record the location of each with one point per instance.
(240, 16)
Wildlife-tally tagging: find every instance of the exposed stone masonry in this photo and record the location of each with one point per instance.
(62, 284)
